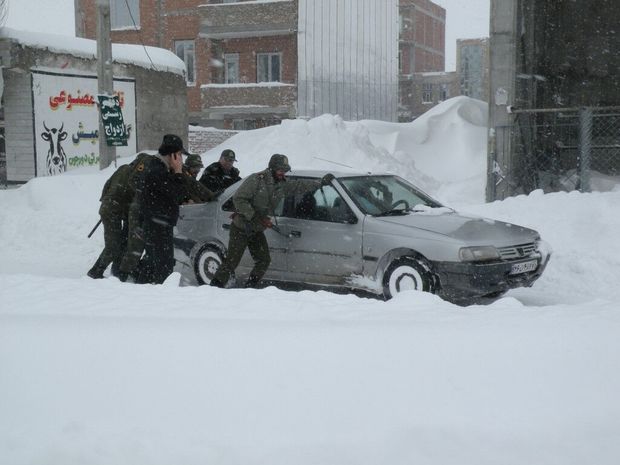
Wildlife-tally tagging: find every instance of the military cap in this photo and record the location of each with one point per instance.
(279, 162)
(228, 155)
(193, 161)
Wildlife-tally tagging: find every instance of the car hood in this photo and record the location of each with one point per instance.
(468, 229)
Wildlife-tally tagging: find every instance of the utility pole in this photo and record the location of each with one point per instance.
(107, 153)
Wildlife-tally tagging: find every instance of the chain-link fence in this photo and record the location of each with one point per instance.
(558, 150)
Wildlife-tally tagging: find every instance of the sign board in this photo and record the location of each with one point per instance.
(66, 120)
(112, 117)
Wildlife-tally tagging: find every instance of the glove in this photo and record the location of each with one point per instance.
(327, 179)
(266, 222)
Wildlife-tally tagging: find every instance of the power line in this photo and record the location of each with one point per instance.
(140, 35)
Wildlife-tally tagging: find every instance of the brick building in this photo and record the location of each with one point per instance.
(421, 49)
(252, 64)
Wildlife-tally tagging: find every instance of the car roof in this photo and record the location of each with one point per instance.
(338, 174)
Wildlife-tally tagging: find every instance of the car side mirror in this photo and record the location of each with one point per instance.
(350, 218)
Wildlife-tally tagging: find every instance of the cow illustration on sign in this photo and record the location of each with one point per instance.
(56, 161)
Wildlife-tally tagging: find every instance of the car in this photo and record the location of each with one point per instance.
(372, 232)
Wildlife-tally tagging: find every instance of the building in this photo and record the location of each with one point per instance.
(426, 90)
(472, 64)
(251, 64)
(50, 89)
(421, 49)
(555, 91)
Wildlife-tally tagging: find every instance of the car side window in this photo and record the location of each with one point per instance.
(324, 204)
(228, 205)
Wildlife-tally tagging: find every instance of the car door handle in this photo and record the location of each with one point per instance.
(295, 233)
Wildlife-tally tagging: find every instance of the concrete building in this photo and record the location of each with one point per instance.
(555, 86)
(49, 92)
(251, 64)
(472, 65)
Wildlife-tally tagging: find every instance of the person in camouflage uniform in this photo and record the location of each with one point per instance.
(195, 192)
(115, 199)
(119, 218)
(134, 243)
(254, 203)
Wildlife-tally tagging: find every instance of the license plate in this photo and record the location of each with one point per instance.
(524, 267)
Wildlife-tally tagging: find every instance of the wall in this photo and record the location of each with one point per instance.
(201, 140)
(348, 59)
(422, 40)
(161, 101)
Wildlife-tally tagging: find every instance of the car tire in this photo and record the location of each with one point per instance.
(408, 273)
(206, 262)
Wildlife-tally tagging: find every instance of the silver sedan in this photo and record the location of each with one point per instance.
(371, 232)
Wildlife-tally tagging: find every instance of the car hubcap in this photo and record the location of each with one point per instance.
(404, 278)
(208, 264)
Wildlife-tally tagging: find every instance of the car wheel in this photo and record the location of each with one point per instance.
(207, 261)
(408, 273)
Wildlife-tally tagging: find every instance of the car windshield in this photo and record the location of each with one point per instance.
(386, 195)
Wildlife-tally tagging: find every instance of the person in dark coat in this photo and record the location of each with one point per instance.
(158, 198)
(254, 202)
(221, 174)
(195, 191)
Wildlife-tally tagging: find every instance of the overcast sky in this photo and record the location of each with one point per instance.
(465, 19)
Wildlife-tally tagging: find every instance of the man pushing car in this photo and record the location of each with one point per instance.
(254, 202)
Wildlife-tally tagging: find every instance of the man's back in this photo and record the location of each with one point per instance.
(216, 179)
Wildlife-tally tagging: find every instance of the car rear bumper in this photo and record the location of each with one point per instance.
(466, 280)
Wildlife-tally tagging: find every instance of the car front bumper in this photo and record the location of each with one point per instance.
(468, 280)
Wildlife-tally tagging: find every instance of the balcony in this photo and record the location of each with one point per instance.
(248, 19)
(232, 100)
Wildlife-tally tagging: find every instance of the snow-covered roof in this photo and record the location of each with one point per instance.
(147, 57)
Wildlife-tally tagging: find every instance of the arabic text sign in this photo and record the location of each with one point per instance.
(66, 120)
(112, 117)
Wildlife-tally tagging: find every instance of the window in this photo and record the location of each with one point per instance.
(231, 68)
(244, 124)
(185, 51)
(324, 204)
(268, 67)
(122, 17)
(444, 92)
(427, 93)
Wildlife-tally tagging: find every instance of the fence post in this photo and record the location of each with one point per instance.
(585, 148)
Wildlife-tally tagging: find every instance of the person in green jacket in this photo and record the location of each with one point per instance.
(116, 216)
(254, 202)
(195, 191)
(113, 212)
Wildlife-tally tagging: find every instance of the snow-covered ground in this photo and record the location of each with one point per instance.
(103, 372)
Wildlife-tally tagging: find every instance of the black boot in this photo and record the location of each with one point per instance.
(95, 273)
(252, 282)
(216, 283)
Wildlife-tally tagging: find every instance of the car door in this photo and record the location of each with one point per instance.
(278, 244)
(325, 245)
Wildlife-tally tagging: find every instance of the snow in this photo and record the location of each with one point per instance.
(147, 57)
(100, 372)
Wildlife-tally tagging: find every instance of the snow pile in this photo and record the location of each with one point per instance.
(103, 372)
(443, 152)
